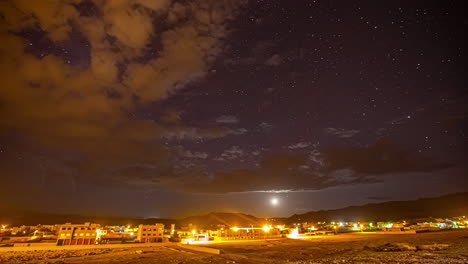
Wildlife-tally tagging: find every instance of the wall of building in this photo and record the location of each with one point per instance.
(150, 233)
(81, 234)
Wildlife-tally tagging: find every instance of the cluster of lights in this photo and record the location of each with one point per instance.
(265, 228)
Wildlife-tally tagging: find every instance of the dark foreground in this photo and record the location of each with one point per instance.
(438, 247)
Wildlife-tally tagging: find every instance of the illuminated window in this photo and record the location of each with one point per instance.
(68, 234)
(87, 234)
(81, 234)
(62, 234)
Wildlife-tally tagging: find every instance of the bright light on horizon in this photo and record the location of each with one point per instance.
(274, 201)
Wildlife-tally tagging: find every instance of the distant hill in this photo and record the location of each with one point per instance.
(443, 206)
(17, 218)
(207, 221)
(211, 220)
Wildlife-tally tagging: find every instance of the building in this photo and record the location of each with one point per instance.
(248, 233)
(150, 233)
(78, 234)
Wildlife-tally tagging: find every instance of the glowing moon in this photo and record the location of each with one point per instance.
(274, 201)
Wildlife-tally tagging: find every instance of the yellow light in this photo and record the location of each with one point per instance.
(98, 233)
(361, 226)
(132, 234)
(194, 232)
(235, 228)
(266, 228)
(294, 234)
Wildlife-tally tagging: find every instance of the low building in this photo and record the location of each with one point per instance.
(248, 233)
(78, 234)
(150, 233)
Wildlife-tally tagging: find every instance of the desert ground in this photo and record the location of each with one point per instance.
(436, 247)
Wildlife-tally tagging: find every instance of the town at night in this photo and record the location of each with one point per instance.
(233, 131)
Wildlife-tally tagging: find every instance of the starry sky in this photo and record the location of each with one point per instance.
(168, 108)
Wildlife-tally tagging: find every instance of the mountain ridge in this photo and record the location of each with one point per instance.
(443, 206)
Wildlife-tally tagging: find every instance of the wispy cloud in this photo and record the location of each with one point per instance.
(342, 133)
(195, 154)
(266, 127)
(232, 153)
(299, 145)
(274, 60)
(227, 119)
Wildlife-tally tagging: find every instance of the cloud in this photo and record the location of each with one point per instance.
(227, 119)
(382, 157)
(274, 60)
(342, 133)
(81, 104)
(237, 131)
(196, 155)
(379, 198)
(322, 168)
(195, 133)
(266, 127)
(232, 153)
(299, 145)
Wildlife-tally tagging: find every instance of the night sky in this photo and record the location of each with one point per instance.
(168, 108)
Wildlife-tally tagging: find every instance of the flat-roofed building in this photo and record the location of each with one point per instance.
(150, 233)
(78, 234)
(248, 233)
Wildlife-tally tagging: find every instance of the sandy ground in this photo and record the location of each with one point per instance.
(451, 247)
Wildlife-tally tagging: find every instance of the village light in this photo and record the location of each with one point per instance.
(98, 233)
(266, 228)
(235, 228)
(294, 234)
